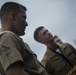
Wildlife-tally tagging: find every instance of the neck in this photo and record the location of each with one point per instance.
(7, 26)
(52, 46)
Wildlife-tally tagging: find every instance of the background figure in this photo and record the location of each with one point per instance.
(15, 55)
(57, 39)
(59, 58)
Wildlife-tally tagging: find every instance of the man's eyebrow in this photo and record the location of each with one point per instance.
(24, 16)
(45, 32)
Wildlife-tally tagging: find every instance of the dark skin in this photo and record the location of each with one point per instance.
(11, 24)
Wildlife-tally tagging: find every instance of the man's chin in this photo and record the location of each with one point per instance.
(22, 34)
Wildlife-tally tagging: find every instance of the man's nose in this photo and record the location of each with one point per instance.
(26, 24)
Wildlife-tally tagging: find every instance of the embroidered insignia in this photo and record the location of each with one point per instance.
(4, 49)
(70, 53)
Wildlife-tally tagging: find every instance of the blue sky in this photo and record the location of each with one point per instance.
(58, 16)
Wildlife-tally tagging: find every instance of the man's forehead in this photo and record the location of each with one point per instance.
(22, 10)
(23, 13)
(41, 31)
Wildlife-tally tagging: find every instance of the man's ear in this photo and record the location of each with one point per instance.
(42, 41)
(12, 16)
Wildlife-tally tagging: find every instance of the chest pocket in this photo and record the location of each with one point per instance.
(72, 57)
(57, 63)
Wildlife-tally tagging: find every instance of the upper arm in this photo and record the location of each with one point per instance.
(16, 68)
(9, 53)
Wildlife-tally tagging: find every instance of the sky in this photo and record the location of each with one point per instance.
(58, 16)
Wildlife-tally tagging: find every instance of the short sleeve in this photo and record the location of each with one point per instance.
(9, 50)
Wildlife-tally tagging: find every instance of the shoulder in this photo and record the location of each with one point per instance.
(64, 45)
(8, 35)
(67, 44)
(49, 54)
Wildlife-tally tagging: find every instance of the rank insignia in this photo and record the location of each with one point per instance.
(4, 49)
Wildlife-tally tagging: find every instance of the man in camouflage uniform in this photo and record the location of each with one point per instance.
(15, 56)
(59, 58)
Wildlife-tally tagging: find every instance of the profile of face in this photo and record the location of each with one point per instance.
(44, 36)
(20, 22)
(57, 39)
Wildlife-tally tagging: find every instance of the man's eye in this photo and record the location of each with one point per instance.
(44, 33)
(24, 17)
